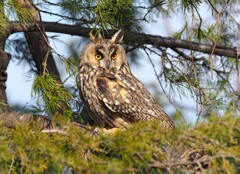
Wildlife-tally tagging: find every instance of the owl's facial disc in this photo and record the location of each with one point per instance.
(107, 56)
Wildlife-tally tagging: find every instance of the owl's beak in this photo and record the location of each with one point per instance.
(108, 64)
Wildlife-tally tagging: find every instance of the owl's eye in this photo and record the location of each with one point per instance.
(98, 56)
(114, 56)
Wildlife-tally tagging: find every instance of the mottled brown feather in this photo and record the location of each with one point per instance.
(112, 95)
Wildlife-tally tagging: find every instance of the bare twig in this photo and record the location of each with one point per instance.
(186, 57)
(83, 21)
(54, 131)
(157, 164)
(212, 6)
(161, 83)
(11, 166)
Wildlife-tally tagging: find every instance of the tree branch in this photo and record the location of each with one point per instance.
(4, 59)
(39, 45)
(12, 119)
(142, 38)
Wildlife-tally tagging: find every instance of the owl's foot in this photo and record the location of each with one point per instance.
(111, 131)
(98, 130)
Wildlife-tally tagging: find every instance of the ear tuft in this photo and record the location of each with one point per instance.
(95, 37)
(117, 37)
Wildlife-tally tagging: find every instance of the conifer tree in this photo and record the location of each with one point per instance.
(199, 61)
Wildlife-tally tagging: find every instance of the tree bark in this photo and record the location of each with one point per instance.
(4, 59)
(39, 45)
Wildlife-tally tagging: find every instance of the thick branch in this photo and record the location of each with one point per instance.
(141, 38)
(39, 45)
(4, 59)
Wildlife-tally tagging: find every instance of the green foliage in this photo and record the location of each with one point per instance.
(72, 64)
(3, 107)
(115, 14)
(56, 97)
(221, 139)
(77, 8)
(4, 20)
(101, 14)
(144, 147)
(190, 5)
(14, 9)
(140, 149)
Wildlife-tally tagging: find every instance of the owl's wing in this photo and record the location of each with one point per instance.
(126, 96)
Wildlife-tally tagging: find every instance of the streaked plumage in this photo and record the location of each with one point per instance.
(112, 95)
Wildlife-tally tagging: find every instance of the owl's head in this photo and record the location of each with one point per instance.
(104, 53)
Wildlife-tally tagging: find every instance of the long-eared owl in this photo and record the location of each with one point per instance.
(113, 97)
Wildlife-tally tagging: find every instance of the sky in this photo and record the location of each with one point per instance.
(19, 81)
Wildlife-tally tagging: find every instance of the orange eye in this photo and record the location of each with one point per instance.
(98, 56)
(114, 56)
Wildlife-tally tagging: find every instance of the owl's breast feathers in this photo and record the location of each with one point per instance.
(113, 97)
(127, 98)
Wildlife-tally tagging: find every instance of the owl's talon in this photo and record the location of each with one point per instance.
(110, 131)
(96, 130)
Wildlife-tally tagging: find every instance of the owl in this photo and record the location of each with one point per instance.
(113, 97)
